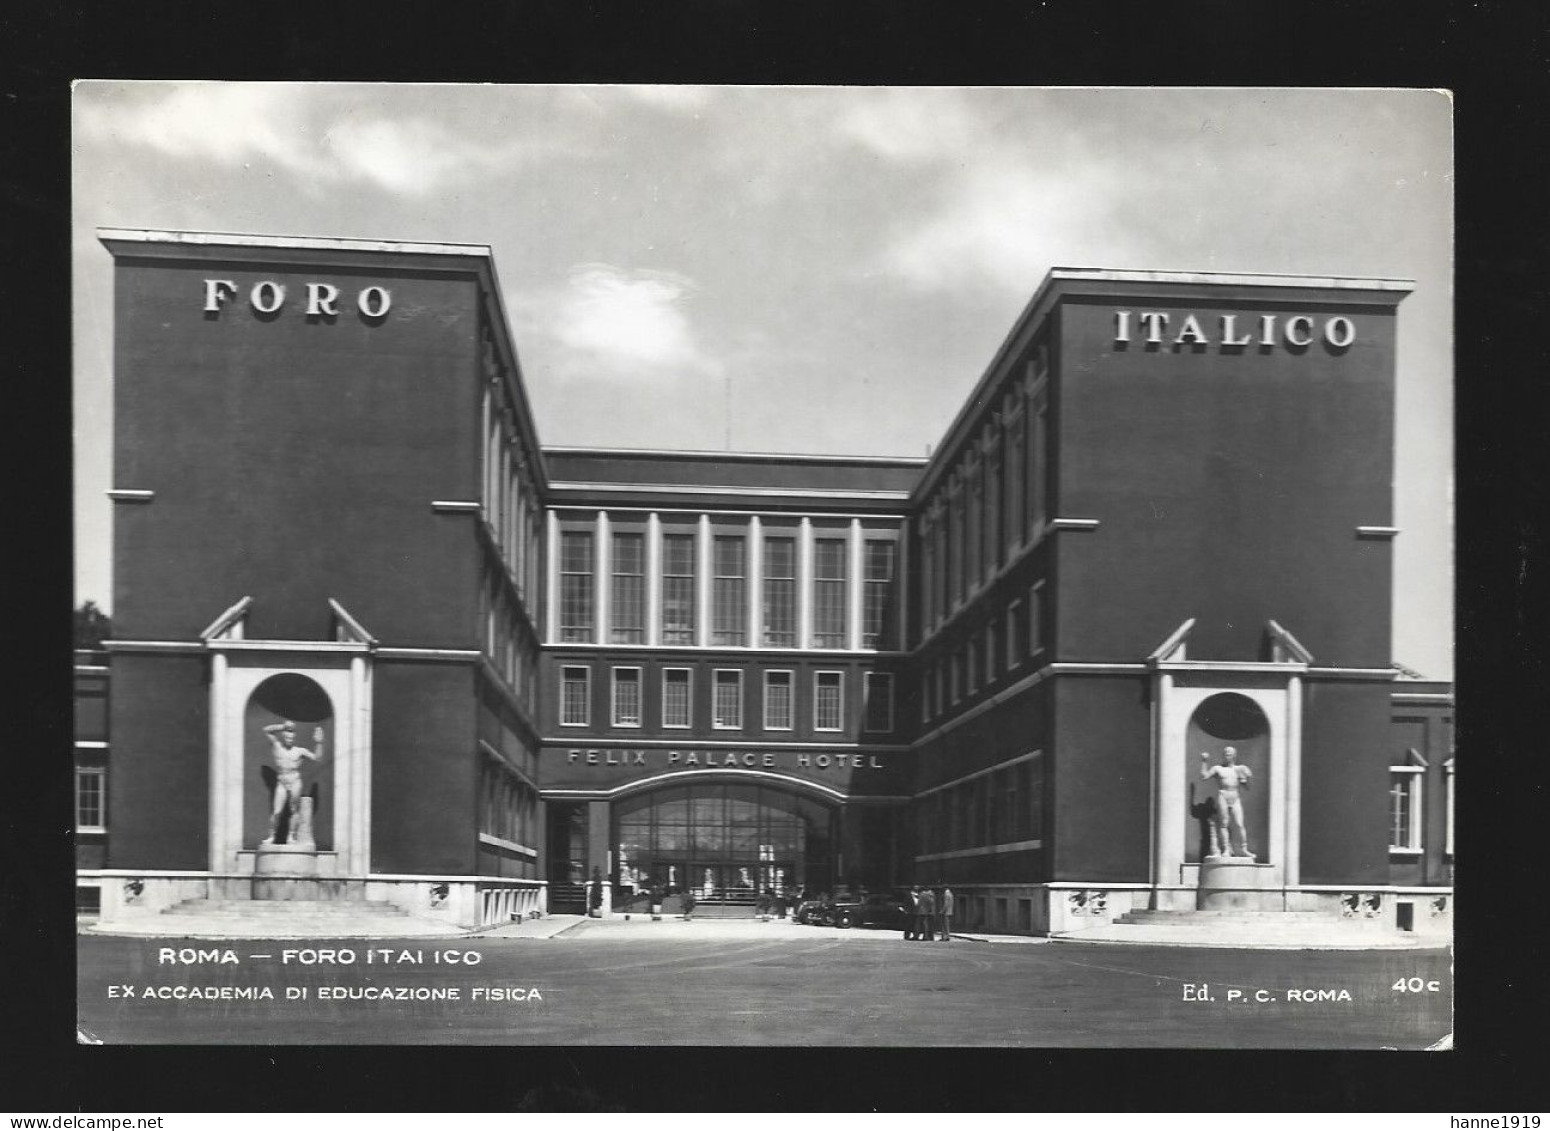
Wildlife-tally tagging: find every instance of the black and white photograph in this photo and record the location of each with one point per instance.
(758, 566)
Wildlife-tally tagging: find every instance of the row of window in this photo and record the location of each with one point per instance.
(990, 504)
(732, 588)
(508, 807)
(1406, 811)
(999, 646)
(511, 647)
(510, 500)
(1005, 806)
(626, 698)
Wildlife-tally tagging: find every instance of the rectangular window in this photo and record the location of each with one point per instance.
(828, 700)
(1036, 619)
(992, 653)
(1404, 809)
(971, 653)
(1037, 458)
(1035, 802)
(777, 700)
(879, 701)
(727, 702)
(576, 587)
(957, 675)
(993, 513)
(678, 589)
(675, 697)
(627, 602)
(879, 559)
(972, 564)
(1014, 634)
(1014, 484)
(780, 592)
(91, 799)
(575, 696)
(829, 593)
(729, 593)
(1447, 782)
(626, 697)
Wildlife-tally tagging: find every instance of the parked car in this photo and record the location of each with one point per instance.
(808, 910)
(887, 910)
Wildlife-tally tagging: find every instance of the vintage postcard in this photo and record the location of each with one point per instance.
(677, 565)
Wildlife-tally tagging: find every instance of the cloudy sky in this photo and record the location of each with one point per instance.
(795, 269)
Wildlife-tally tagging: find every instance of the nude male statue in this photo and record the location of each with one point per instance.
(1228, 818)
(287, 763)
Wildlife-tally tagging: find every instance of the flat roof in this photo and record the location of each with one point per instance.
(309, 243)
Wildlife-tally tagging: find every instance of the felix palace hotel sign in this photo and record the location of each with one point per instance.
(728, 759)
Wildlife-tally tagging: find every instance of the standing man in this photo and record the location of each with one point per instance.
(911, 913)
(944, 910)
(288, 758)
(1228, 819)
(927, 916)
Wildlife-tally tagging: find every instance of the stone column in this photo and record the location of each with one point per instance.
(855, 553)
(702, 583)
(805, 583)
(653, 579)
(755, 581)
(602, 583)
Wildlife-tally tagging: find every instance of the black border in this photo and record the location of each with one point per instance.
(1489, 53)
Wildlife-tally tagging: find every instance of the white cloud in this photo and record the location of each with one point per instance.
(912, 125)
(327, 135)
(670, 97)
(1002, 223)
(224, 122)
(629, 323)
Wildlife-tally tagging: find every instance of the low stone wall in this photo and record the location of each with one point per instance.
(462, 902)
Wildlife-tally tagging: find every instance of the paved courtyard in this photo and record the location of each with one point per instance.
(750, 983)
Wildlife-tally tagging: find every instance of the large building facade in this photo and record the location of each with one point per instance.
(1160, 525)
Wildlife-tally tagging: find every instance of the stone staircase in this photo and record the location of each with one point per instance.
(282, 918)
(1291, 930)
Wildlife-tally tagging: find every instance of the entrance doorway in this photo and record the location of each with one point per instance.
(724, 843)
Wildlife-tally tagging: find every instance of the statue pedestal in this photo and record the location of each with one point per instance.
(1237, 883)
(277, 868)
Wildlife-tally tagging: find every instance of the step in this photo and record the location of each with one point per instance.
(1267, 918)
(284, 907)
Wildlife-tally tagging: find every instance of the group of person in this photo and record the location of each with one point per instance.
(930, 914)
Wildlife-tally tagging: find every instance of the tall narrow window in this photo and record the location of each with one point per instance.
(992, 653)
(729, 595)
(780, 592)
(879, 557)
(971, 531)
(576, 587)
(1036, 619)
(777, 700)
(626, 697)
(1038, 457)
(91, 803)
(678, 589)
(829, 593)
(1014, 483)
(627, 620)
(1447, 782)
(879, 701)
(927, 544)
(828, 700)
(675, 697)
(955, 587)
(971, 650)
(1404, 809)
(993, 510)
(575, 696)
(1014, 634)
(727, 701)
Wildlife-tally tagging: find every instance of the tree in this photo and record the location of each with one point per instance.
(92, 627)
